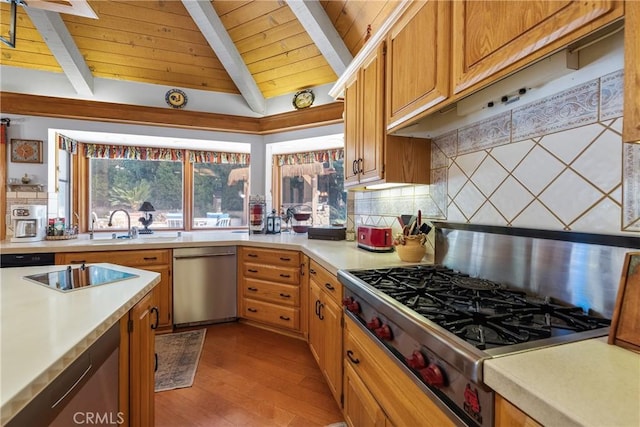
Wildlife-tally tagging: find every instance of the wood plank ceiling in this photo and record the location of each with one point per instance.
(157, 41)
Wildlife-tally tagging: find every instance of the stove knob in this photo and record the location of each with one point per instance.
(346, 301)
(433, 375)
(374, 323)
(416, 360)
(384, 333)
(354, 307)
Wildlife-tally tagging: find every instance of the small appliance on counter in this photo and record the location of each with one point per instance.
(327, 232)
(29, 223)
(274, 223)
(257, 214)
(375, 239)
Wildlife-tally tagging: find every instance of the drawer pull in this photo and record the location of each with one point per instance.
(353, 360)
(312, 271)
(251, 270)
(284, 258)
(80, 261)
(151, 258)
(329, 286)
(285, 295)
(252, 255)
(252, 289)
(253, 310)
(286, 276)
(285, 318)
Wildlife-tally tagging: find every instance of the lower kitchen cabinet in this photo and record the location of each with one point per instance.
(386, 383)
(508, 415)
(360, 407)
(138, 363)
(269, 288)
(157, 260)
(325, 325)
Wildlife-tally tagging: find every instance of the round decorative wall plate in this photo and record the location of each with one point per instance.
(303, 99)
(176, 98)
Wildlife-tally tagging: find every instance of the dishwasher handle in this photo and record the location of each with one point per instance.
(203, 255)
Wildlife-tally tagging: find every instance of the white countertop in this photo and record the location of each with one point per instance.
(585, 383)
(43, 330)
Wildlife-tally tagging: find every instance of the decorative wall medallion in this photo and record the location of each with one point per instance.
(176, 98)
(26, 151)
(303, 99)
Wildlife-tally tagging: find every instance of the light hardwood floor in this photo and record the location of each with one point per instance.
(248, 376)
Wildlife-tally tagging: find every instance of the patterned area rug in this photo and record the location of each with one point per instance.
(178, 356)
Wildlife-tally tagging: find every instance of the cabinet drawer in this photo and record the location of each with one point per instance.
(285, 275)
(273, 292)
(327, 281)
(271, 257)
(127, 258)
(285, 317)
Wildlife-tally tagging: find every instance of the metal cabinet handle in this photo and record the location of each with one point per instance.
(320, 315)
(353, 360)
(252, 255)
(285, 318)
(252, 289)
(151, 258)
(157, 322)
(252, 270)
(353, 167)
(312, 271)
(286, 276)
(282, 258)
(253, 310)
(80, 261)
(317, 307)
(329, 286)
(285, 295)
(155, 365)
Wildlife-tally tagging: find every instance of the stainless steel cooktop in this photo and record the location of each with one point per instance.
(71, 279)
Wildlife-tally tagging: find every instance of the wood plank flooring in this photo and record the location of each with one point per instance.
(248, 376)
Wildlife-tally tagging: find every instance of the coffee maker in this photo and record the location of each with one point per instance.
(29, 222)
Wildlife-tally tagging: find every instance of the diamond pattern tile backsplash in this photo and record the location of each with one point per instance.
(557, 164)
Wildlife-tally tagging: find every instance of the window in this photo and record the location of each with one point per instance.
(188, 189)
(314, 180)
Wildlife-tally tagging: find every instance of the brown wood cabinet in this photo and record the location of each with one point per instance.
(386, 383)
(487, 47)
(418, 61)
(325, 325)
(138, 363)
(158, 260)
(360, 407)
(631, 125)
(508, 415)
(269, 290)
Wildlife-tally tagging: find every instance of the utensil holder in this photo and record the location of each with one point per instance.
(413, 249)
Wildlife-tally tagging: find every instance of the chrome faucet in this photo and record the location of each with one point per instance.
(94, 219)
(129, 234)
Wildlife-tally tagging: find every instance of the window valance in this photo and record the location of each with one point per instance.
(219, 157)
(67, 144)
(127, 152)
(321, 156)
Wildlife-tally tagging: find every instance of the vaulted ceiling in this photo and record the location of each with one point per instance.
(257, 48)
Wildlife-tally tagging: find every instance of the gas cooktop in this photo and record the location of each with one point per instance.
(71, 279)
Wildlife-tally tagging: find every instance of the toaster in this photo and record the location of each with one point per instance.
(375, 239)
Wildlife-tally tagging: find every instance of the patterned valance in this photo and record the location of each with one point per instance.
(309, 157)
(67, 144)
(100, 151)
(219, 157)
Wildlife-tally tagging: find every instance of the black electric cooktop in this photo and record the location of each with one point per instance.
(72, 279)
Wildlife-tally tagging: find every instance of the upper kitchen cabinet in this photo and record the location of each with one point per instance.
(371, 156)
(631, 125)
(494, 38)
(364, 121)
(418, 61)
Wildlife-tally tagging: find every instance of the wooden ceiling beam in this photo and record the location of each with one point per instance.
(64, 49)
(205, 17)
(66, 108)
(315, 21)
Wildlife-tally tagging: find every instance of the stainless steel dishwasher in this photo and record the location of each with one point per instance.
(204, 285)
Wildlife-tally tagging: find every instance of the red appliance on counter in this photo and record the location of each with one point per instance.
(375, 239)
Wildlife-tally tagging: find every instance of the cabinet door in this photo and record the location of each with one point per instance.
(372, 116)
(631, 123)
(352, 132)
(163, 298)
(508, 415)
(315, 324)
(142, 363)
(418, 61)
(486, 46)
(331, 315)
(360, 408)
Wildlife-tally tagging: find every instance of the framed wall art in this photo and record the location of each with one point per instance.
(625, 325)
(26, 151)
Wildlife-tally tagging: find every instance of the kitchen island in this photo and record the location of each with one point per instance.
(571, 384)
(44, 330)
